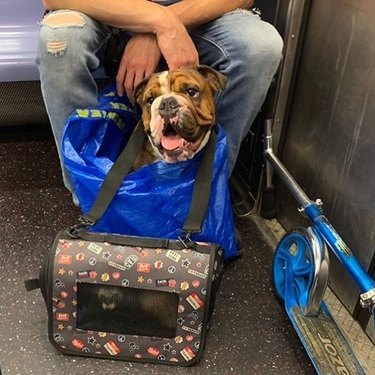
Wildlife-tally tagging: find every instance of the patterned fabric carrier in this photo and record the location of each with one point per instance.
(109, 298)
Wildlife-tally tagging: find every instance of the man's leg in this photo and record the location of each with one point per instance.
(248, 51)
(67, 54)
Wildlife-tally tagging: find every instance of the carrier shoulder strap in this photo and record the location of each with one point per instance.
(122, 166)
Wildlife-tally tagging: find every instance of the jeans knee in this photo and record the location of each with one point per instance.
(263, 51)
(61, 31)
(256, 44)
(272, 48)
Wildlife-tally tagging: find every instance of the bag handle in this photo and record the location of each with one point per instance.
(122, 166)
(115, 176)
(202, 188)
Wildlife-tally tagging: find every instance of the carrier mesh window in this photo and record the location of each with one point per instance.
(127, 311)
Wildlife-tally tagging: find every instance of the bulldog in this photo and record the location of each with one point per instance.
(178, 112)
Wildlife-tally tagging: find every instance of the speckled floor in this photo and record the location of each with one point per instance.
(250, 332)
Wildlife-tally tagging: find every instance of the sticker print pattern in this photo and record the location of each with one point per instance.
(184, 272)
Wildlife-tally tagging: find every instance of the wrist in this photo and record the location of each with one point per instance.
(167, 23)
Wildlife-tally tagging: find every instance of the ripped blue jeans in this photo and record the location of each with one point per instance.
(239, 44)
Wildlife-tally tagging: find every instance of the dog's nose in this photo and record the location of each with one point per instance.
(168, 106)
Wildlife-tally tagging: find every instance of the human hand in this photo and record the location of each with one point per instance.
(140, 59)
(175, 43)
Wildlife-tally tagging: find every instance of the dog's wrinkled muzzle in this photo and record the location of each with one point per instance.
(170, 138)
(168, 143)
(168, 107)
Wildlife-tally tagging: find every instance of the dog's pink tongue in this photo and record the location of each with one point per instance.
(171, 142)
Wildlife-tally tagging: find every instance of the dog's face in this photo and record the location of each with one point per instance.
(178, 110)
(109, 297)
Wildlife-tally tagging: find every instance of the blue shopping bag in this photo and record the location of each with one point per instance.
(154, 200)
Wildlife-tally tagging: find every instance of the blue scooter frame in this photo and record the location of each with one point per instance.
(300, 273)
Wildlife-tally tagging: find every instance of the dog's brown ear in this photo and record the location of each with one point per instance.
(138, 91)
(215, 79)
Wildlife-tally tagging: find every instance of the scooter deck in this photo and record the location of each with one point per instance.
(324, 342)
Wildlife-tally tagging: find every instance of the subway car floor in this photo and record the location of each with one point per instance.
(249, 334)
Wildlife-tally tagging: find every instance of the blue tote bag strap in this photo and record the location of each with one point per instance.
(122, 167)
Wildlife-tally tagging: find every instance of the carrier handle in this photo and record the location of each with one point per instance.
(122, 166)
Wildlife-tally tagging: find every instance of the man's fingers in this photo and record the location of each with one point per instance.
(120, 77)
(129, 84)
(140, 58)
(138, 78)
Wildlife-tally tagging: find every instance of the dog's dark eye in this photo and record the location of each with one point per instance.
(149, 100)
(192, 92)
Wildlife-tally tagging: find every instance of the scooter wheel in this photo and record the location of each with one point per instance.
(293, 270)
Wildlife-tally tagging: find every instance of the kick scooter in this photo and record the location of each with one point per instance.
(300, 274)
